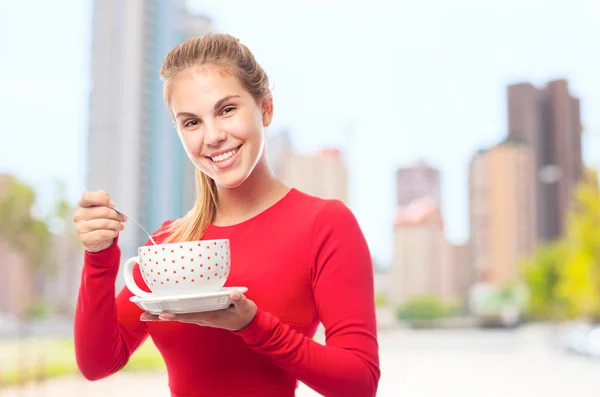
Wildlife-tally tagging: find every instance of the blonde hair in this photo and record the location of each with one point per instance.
(227, 54)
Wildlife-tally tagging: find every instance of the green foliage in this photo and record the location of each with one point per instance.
(60, 361)
(541, 273)
(564, 277)
(579, 278)
(21, 230)
(38, 309)
(32, 236)
(381, 299)
(424, 308)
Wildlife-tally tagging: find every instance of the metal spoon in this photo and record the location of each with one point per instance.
(140, 226)
(132, 220)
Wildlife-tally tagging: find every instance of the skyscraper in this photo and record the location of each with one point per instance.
(417, 181)
(133, 150)
(279, 147)
(172, 186)
(502, 219)
(548, 120)
(418, 247)
(425, 262)
(323, 175)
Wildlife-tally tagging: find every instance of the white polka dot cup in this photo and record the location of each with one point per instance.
(177, 269)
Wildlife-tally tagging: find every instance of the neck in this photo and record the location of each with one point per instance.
(261, 190)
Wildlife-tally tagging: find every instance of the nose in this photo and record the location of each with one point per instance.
(214, 136)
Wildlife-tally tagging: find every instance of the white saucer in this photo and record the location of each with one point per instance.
(195, 303)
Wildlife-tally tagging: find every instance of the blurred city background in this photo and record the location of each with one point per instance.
(464, 135)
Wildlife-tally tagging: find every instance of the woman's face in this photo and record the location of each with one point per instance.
(220, 124)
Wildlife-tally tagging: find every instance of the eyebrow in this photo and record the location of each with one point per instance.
(217, 105)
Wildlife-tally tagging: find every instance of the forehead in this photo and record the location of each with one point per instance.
(199, 89)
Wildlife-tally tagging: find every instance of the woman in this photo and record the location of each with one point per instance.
(304, 259)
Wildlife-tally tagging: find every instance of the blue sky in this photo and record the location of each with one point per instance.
(390, 82)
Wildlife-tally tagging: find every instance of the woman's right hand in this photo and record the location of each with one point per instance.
(96, 222)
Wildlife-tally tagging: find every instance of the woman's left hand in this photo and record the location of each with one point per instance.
(234, 318)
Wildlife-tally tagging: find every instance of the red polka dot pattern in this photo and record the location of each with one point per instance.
(172, 270)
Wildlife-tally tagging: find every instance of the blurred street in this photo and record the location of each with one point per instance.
(495, 363)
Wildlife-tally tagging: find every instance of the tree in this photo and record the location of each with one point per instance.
(22, 231)
(579, 279)
(67, 249)
(422, 309)
(541, 273)
(564, 276)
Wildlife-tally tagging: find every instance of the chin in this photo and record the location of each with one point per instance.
(230, 181)
(229, 184)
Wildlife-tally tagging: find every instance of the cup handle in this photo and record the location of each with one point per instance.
(130, 281)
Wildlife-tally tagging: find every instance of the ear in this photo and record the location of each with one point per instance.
(267, 109)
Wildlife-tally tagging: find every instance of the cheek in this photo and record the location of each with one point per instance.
(250, 135)
(191, 144)
(246, 128)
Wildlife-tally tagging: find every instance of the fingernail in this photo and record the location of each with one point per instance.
(236, 295)
(111, 203)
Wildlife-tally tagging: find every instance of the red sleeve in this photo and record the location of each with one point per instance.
(107, 329)
(342, 279)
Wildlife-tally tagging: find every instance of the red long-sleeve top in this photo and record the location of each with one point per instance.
(304, 261)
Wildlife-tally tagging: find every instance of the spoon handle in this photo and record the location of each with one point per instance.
(140, 226)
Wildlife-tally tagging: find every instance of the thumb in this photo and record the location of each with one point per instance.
(238, 299)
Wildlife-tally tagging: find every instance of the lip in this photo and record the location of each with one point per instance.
(225, 163)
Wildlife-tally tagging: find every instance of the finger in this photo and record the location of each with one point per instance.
(196, 318)
(98, 224)
(195, 322)
(149, 317)
(154, 317)
(167, 316)
(191, 317)
(98, 236)
(239, 300)
(99, 197)
(89, 213)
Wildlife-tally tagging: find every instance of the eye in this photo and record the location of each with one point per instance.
(228, 110)
(191, 123)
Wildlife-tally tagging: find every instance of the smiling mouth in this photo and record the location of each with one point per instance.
(225, 156)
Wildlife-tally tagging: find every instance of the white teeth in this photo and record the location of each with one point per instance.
(224, 156)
